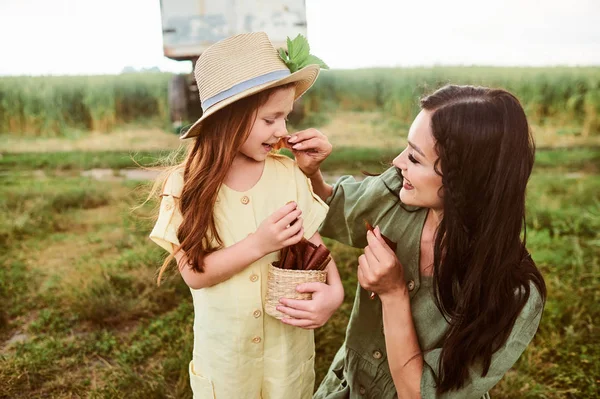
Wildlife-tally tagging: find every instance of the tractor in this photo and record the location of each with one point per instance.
(191, 26)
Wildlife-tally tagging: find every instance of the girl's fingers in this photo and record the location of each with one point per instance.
(283, 211)
(298, 304)
(295, 313)
(303, 323)
(311, 287)
(289, 219)
(295, 238)
(295, 228)
(292, 230)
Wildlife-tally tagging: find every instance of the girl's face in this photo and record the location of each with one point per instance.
(421, 183)
(269, 125)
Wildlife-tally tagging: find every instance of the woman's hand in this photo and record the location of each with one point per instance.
(313, 313)
(310, 148)
(379, 270)
(281, 229)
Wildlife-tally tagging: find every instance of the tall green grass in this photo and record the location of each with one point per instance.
(561, 96)
(53, 105)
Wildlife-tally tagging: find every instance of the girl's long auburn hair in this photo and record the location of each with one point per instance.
(205, 167)
(482, 269)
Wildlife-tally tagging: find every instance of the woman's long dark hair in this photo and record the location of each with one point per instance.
(482, 270)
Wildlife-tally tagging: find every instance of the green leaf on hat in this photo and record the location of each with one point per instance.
(293, 66)
(313, 59)
(298, 55)
(283, 55)
(298, 48)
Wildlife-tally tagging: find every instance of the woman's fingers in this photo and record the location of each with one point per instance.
(362, 280)
(364, 272)
(362, 261)
(381, 240)
(315, 143)
(377, 232)
(304, 135)
(371, 257)
(376, 245)
(380, 251)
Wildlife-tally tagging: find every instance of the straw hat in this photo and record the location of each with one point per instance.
(240, 66)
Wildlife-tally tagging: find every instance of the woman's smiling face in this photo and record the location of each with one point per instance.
(421, 182)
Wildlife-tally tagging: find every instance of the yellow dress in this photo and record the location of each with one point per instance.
(239, 351)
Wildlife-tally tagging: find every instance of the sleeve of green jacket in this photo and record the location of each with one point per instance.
(522, 333)
(354, 202)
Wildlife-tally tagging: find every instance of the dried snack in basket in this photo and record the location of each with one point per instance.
(304, 255)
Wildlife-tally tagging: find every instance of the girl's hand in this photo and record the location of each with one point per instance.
(313, 313)
(310, 148)
(379, 270)
(283, 228)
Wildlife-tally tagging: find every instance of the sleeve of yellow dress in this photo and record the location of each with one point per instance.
(169, 219)
(313, 208)
(502, 360)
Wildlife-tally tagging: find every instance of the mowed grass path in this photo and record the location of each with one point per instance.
(81, 315)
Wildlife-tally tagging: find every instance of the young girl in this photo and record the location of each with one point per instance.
(225, 213)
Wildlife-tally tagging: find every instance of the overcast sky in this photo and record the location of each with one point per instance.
(103, 36)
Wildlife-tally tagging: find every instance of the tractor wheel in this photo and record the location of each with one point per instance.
(178, 101)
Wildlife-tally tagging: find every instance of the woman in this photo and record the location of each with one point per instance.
(460, 299)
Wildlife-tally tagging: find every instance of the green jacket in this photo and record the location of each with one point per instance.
(360, 368)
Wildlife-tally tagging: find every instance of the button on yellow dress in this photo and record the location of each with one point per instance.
(239, 350)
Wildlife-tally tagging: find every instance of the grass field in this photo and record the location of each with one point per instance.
(81, 315)
(567, 99)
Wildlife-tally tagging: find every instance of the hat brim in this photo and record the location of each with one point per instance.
(304, 78)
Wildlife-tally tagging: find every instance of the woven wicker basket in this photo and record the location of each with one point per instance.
(281, 283)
